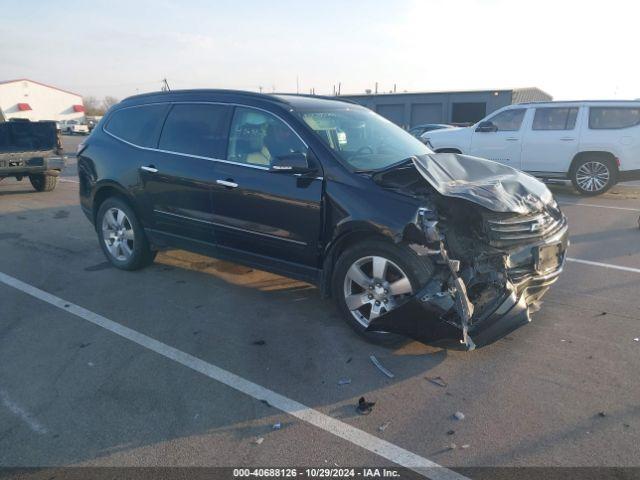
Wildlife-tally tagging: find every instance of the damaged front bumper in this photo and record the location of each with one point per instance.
(444, 312)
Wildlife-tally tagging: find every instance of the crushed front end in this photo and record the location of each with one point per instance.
(491, 269)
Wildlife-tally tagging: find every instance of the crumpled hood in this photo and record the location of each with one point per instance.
(497, 187)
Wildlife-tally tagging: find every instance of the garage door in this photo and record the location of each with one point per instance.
(426, 113)
(395, 113)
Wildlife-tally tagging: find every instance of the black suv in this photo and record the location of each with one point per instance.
(438, 247)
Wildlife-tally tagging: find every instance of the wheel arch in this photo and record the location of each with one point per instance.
(338, 246)
(108, 189)
(448, 150)
(602, 154)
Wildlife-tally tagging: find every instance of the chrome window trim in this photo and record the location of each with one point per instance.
(298, 242)
(258, 167)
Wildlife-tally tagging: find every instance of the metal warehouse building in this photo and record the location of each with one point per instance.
(411, 109)
(25, 98)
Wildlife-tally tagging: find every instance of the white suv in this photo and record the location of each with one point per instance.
(594, 144)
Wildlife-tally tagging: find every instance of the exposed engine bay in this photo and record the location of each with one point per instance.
(496, 239)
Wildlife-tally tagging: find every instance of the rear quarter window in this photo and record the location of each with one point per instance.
(138, 125)
(603, 118)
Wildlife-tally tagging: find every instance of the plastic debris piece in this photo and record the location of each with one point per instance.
(379, 366)
(91, 364)
(637, 339)
(437, 381)
(458, 416)
(466, 445)
(258, 440)
(364, 407)
(451, 432)
(602, 414)
(344, 381)
(277, 426)
(349, 359)
(384, 426)
(452, 446)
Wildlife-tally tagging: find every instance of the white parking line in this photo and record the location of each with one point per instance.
(21, 413)
(600, 206)
(604, 265)
(369, 442)
(69, 180)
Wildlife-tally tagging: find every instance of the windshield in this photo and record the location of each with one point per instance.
(363, 139)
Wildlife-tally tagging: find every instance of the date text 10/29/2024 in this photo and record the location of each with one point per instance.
(315, 473)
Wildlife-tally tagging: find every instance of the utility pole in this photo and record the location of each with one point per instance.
(339, 88)
(376, 90)
(394, 88)
(297, 85)
(165, 86)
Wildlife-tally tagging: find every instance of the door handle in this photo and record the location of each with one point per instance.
(512, 139)
(150, 169)
(567, 139)
(227, 183)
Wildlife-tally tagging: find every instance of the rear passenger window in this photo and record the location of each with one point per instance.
(555, 118)
(613, 117)
(138, 125)
(197, 129)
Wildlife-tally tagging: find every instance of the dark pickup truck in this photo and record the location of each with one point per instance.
(31, 149)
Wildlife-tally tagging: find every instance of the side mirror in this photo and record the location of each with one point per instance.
(486, 126)
(290, 163)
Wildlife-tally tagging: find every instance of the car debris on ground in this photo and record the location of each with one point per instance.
(344, 381)
(277, 426)
(437, 381)
(458, 416)
(258, 440)
(384, 426)
(380, 367)
(364, 407)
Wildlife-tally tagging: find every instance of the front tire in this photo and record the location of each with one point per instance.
(122, 237)
(593, 175)
(373, 277)
(43, 182)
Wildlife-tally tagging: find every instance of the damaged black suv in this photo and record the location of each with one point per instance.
(433, 246)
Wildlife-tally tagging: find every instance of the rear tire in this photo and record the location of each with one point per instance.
(593, 175)
(43, 182)
(401, 262)
(122, 237)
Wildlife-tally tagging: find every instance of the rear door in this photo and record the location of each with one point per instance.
(503, 144)
(178, 182)
(261, 214)
(552, 141)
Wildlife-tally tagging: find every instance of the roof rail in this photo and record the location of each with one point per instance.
(321, 97)
(243, 93)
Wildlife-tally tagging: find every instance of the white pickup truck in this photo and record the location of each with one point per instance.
(595, 144)
(73, 127)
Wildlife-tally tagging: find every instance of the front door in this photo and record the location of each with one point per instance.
(266, 215)
(501, 139)
(552, 141)
(178, 181)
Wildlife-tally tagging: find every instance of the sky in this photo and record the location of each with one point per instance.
(570, 49)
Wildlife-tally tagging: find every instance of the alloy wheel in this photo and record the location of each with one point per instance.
(592, 176)
(117, 233)
(373, 286)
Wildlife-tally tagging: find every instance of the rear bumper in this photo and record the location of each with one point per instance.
(22, 167)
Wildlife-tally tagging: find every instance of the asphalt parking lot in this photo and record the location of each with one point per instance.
(76, 390)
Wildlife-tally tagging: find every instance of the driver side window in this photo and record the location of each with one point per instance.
(256, 137)
(509, 120)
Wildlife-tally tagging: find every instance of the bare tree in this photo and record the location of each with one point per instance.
(109, 102)
(92, 106)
